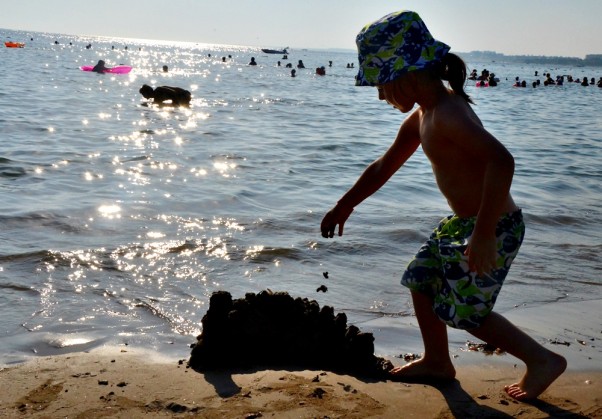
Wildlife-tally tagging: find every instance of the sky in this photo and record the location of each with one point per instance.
(511, 27)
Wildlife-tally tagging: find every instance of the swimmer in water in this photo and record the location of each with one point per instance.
(174, 96)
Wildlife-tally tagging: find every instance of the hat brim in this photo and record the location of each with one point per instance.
(395, 45)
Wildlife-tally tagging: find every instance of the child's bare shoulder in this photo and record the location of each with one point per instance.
(455, 111)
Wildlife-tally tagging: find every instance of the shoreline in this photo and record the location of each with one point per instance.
(130, 381)
(571, 329)
(113, 382)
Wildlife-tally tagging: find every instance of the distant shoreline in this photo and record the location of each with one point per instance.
(594, 60)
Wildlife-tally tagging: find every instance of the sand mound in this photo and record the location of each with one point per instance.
(273, 329)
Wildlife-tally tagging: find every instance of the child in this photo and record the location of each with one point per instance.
(457, 274)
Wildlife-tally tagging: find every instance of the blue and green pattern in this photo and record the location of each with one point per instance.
(394, 45)
(462, 299)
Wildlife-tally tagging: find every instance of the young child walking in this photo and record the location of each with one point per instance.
(456, 276)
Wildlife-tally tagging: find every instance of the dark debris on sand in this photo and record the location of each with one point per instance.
(273, 329)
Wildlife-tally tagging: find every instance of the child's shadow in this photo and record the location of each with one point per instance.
(463, 405)
(460, 403)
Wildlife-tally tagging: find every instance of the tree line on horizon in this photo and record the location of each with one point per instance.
(590, 59)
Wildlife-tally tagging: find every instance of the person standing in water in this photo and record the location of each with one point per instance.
(456, 276)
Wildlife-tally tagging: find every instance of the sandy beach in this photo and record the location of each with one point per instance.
(127, 382)
(122, 383)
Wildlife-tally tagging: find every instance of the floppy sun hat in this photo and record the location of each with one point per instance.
(394, 45)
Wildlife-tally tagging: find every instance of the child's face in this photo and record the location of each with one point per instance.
(398, 93)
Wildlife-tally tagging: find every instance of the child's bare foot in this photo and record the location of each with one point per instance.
(424, 371)
(538, 377)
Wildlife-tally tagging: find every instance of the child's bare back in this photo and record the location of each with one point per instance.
(460, 150)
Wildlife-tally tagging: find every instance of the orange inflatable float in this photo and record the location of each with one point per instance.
(14, 44)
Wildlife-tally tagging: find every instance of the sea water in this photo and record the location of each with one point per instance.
(119, 220)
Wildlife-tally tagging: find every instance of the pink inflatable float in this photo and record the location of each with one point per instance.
(119, 69)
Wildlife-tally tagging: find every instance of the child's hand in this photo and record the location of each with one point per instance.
(482, 254)
(337, 215)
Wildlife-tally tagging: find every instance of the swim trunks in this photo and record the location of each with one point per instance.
(462, 299)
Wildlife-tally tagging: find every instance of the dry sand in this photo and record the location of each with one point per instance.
(119, 384)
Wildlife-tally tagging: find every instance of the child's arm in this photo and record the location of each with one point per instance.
(375, 175)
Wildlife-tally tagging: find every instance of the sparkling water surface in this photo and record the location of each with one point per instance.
(119, 220)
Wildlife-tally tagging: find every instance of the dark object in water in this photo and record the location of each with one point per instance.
(273, 329)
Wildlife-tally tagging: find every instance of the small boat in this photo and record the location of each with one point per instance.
(9, 44)
(275, 51)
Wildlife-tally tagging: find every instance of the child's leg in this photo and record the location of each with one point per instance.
(543, 365)
(436, 363)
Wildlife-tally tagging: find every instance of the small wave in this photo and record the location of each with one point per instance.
(11, 172)
(380, 313)
(581, 252)
(24, 257)
(220, 157)
(65, 344)
(37, 219)
(556, 220)
(179, 325)
(17, 287)
(137, 158)
(269, 254)
(97, 260)
(187, 246)
(332, 147)
(407, 236)
(588, 282)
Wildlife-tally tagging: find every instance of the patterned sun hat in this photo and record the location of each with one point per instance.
(394, 45)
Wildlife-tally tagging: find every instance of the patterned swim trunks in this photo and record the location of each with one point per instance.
(462, 299)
